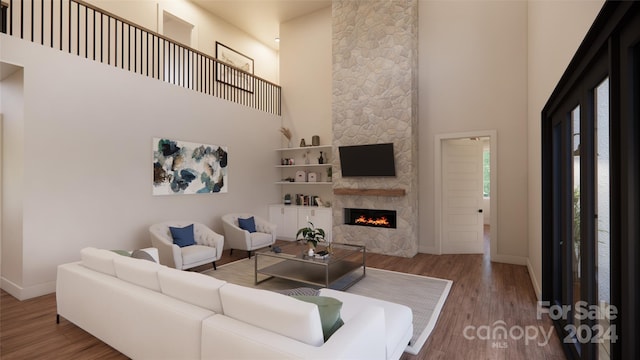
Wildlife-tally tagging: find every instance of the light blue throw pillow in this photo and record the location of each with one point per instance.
(329, 309)
(247, 224)
(122, 252)
(142, 254)
(183, 236)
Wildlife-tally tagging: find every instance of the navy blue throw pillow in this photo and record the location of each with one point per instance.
(183, 236)
(247, 224)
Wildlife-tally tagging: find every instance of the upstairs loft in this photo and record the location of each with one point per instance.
(84, 30)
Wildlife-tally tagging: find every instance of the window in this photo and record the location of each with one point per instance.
(603, 213)
(591, 191)
(574, 249)
(486, 173)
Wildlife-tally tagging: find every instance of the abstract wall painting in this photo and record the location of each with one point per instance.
(181, 167)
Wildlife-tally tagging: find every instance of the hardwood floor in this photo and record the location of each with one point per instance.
(482, 295)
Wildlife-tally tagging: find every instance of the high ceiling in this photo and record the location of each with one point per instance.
(261, 18)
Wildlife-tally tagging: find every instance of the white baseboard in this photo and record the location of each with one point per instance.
(428, 250)
(509, 259)
(24, 293)
(534, 281)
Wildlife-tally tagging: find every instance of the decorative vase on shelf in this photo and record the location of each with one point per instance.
(320, 159)
(303, 143)
(286, 132)
(315, 140)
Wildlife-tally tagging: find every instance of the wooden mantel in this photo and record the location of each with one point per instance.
(369, 192)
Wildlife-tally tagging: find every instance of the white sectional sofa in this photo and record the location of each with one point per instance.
(149, 311)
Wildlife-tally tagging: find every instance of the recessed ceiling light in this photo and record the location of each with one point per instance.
(277, 39)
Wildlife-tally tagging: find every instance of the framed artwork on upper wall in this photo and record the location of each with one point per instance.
(230, 74)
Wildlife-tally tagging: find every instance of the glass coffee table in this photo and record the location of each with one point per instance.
(345, 266)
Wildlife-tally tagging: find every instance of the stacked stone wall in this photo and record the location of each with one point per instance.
(375, 101)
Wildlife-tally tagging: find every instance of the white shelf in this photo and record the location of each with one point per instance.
(303, 183)
(305, 148)
(303, 165)
(300, 156)
(301, 206)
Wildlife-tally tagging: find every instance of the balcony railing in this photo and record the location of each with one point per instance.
(82, 29)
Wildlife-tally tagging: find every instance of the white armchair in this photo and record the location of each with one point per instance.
(208, 247)
(241, 239)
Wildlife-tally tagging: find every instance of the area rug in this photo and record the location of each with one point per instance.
(424, 295)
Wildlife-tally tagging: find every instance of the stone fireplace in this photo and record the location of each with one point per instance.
(375, 101)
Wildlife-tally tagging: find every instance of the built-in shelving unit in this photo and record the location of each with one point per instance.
(289, 218)
(304, 159)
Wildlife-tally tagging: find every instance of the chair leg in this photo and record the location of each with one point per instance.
(214, 266)
(249, 252)
(230, 251)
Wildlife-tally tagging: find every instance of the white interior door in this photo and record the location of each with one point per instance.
(178, 67)
(462, 218)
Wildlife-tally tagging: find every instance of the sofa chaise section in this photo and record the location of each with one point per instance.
(398, 319)
(362, 337)
(262, 324)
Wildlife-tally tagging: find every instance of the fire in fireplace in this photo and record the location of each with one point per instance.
(370, 217)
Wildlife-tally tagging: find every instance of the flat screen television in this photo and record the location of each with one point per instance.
(367, 160)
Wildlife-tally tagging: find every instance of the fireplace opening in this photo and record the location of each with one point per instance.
(370, 217)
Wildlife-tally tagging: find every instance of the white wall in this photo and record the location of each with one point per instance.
(306, 80)
(556, 29)
(473, 77)
(306, 76)
(87, 163)
(12, 107)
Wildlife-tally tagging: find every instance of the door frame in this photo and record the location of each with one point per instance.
(493, 199)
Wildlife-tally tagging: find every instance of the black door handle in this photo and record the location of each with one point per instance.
(479, 210)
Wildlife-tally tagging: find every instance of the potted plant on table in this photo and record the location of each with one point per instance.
(311, 235)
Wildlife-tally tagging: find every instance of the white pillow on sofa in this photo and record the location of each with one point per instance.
(138, 271)
(99, 260)
(275, 312)
(194, 288)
